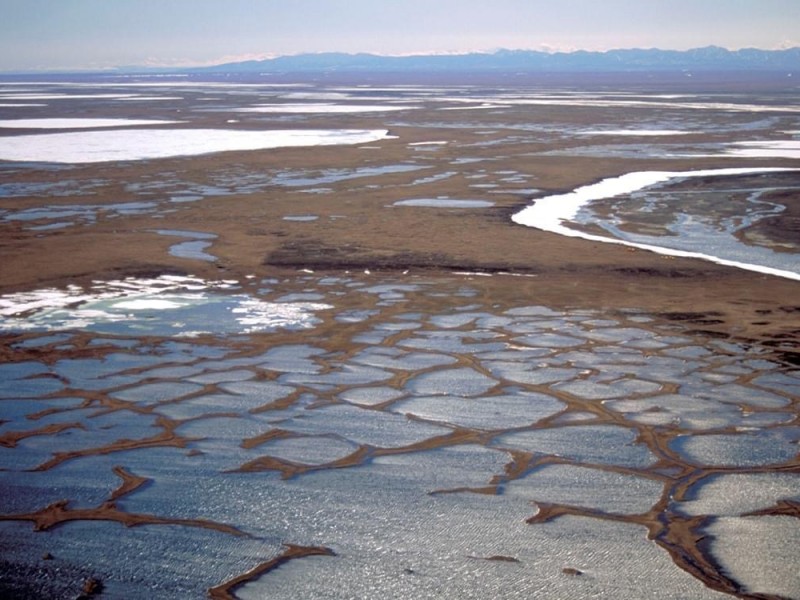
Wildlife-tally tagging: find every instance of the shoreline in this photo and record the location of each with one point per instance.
(549, 213)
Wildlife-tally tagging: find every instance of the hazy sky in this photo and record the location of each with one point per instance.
(64, 34)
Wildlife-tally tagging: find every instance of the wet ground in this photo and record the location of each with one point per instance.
(416, 431)
(344, 372)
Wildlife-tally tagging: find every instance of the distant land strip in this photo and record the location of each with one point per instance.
(710, 58)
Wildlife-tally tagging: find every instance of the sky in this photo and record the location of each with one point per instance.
(99, 34)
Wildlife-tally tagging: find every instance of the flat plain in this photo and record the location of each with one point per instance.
(284, 339)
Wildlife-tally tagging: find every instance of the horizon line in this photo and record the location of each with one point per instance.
(266, 57)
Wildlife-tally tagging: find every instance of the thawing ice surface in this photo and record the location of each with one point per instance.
(56, 96)
(636, 132)
(552, 212)
(204, 558)
(588, 488)
(590, 444)
(760, 553)
(462, 556)
(744, 449)
(167, 305)
(312, 450)
(77, 123)
(433, 143)
(686, 411)
(145, 144)
(766, 149)
(488, 412)
(739, 493)
(423, 458)
(370, 396)
(301, 218)
(376, 428)
(390, 358)
(444, 203)
(457, 382)
(621, 101)
(298, 178)
(321, 108)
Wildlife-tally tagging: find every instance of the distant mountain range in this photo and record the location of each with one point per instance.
(711, 58)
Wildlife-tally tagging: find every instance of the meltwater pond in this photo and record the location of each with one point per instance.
(166, 305)
(194, 248)
(399, 437)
